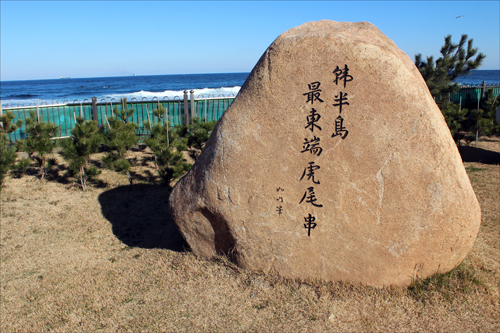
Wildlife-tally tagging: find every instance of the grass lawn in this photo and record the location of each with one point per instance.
(110, 259)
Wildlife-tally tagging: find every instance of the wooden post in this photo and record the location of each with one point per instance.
(186, 111)
(191, 97)
(94, 109)
(483, 89)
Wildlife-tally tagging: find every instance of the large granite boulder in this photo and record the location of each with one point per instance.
(332, 163)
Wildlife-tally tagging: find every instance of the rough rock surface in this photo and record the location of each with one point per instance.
(334, 163)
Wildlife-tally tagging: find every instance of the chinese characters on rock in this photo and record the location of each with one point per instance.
(279, 209)
(312, 143)
(340, 100)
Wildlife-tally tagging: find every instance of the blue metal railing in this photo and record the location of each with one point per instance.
(471, 95)
(64, 115)
(208, 108)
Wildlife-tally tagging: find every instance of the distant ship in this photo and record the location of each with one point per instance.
(65, 77)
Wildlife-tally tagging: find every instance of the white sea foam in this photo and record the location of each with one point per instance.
(28, 102)
(175, 94)
(140, 95)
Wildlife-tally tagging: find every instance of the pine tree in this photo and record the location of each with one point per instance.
(169, 160)
(7, 157)
(456, 60)
(455, 117)
(7, 151)
(197, 133)
(39, 143)
(481, 120)
(125, 112)
(85, 140)
(6, 123)
(490, 104)
(120, 137)
(160, 112)
(167, 146)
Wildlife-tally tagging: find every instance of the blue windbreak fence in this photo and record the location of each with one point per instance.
(178, 111)
(471, 95)
(65, 115)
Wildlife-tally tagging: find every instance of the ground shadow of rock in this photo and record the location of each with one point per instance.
(474, 154)
(141, 217)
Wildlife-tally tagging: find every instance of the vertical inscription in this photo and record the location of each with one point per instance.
(341, 100)
(313, 145)
(279, 208)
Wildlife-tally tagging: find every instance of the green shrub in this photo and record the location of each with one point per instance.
(125, 112)
(167, 146)
(7, 157)
(197, 134)
(39, 142)
(85, 140)
(7, 152)
(120, 137)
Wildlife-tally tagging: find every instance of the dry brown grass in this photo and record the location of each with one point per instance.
(110, 259)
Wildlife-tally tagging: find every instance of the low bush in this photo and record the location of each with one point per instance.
(39, 142)
(85, 140)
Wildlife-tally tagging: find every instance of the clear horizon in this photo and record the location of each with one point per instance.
(115, 76)
(46, 40)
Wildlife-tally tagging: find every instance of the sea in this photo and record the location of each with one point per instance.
(75, 90)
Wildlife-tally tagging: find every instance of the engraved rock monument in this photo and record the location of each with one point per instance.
(334, 163)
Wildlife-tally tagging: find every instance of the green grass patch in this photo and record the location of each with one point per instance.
(471, 169)
(462, 279)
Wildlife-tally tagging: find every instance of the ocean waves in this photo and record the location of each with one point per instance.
(75, 90)
(80, 97)
(175, 94)
(22, 96)
(161, 87)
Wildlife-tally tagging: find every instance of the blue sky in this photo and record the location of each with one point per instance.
(46, 40)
